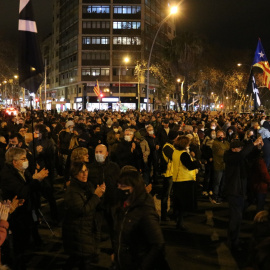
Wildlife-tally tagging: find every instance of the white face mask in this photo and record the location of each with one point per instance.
(213, 136)
(115, 130)
(127, 138)
(151, 132)
(213, 127)
(25, 165)
(100, 158)
(202, 129)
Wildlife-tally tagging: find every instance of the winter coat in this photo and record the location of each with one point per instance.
(236, 171)
(145, 150)
(218, 150)
(107, 172)
(79, 222)
(259, 175)
(12, 184)
(123, 155)
(139, 241)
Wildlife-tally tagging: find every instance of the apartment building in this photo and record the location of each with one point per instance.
(104, 41)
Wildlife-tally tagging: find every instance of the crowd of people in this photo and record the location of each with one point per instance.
(111, 164)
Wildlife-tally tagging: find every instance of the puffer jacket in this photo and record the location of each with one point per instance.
(139, 242)
(78, 225)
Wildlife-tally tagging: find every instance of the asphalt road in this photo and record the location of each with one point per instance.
(202, 247)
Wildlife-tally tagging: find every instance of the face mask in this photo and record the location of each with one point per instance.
(213, 127)
(202, 129)
(124, 194)
(127, 138)
(100, 158)
(252, 137)
(71, 129)
(220, 139)
(230, 133)
(213, 136)
(115, 130)
(25, 165)
(151, 132)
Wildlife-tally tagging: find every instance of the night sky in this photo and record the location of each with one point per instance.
(232, 23)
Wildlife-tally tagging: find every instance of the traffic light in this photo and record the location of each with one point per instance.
(36, 99)
(221, 106)
(101, 95)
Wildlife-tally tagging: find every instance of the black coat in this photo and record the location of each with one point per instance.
(79, 224)
(123, 155)
(236, 171)
(107, 172)
(139, 242)
(12, 184)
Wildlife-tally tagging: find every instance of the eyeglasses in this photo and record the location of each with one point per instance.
(22, 159)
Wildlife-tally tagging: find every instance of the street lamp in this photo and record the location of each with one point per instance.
(173, 10)
(126, 60)
(179, 95)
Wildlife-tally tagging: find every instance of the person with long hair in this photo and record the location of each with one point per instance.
(139, 242)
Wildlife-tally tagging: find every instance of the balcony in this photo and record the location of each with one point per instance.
(95, 62)
(94, 78)
(99, 16)
(126, 1)
(98, 31)
(96, 47)
(127, 47)
(127, 16)
(96, 1)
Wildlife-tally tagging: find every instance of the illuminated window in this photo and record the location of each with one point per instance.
(126, 25)
(96, 40)
(126, 9)
(96, 9)
(126, 40)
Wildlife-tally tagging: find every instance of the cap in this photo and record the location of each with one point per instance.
(138, 136)
(69, 123)
(236, 144)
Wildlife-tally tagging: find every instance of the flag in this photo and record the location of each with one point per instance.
(96, 89)
(260, 60)
(30, 61)
(253, 90)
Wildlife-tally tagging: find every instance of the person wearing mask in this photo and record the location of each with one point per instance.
(235, 187)
(78, 230)
(207, 157)
(162, 134)
(184, 180)
(167, 173)
(65, 136)
(102, 170)
(219, 147)
(114, 137)
(143, 144)
(139, 242)
(154, 148)
(128, 152)
(45, 154)
(16, 180)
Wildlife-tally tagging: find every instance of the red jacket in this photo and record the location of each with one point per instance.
(260, 177)
(3, 231)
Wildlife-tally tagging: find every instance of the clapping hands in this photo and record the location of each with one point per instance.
(100, 190)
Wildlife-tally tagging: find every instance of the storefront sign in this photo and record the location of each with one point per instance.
(78, 100)
(110, 99)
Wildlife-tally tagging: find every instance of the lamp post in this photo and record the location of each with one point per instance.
(179, 96)
(172, 11)
(126, 60)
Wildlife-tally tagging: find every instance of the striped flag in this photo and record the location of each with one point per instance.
(96, 89)
(260, 60)
(30, 61)
(253, 90)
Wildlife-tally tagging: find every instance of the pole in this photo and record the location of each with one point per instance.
(149, 59)
(119, 101)
(45, 87)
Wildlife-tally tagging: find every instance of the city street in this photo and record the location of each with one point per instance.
(203, 246)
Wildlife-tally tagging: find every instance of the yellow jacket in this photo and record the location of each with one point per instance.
(180, 172)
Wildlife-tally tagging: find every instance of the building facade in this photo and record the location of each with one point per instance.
(104, 41)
